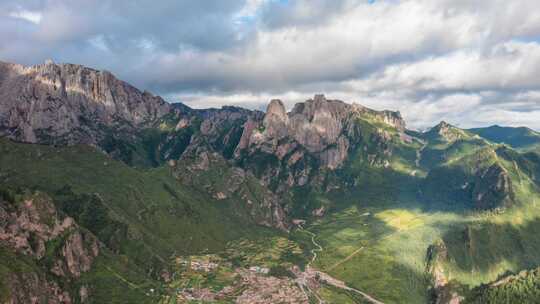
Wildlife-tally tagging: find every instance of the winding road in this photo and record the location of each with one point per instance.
(315, 250)
(311, 272)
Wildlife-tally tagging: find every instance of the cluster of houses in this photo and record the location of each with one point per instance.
(203, 266)
(206, 266)
(257, 269)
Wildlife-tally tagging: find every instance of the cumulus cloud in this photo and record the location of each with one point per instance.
(471, 63)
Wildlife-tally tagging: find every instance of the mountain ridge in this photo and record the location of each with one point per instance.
(50, 102)
(166, 180)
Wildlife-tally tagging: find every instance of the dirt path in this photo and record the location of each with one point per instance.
(350, 256)
(121, 278)
(365, 295)
(123, 217)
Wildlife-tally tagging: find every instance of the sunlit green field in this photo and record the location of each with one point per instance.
(381, 252)
(381, 249)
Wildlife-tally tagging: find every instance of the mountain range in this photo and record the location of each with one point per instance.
(107, 193)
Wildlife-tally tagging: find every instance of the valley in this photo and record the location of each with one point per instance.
(111, 195)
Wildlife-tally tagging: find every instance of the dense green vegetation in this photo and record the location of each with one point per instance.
(521, 138)
(111, 275)
(143, 216)
(163, 214)
(396, 197)
(376, 236)
(521, 288)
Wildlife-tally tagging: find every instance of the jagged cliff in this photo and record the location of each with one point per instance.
(68, 104)
(315, 135)
(254, 167)
(324, 128)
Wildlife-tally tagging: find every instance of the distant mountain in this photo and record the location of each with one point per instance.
(446, 132)
(519, 138)
(106, 191)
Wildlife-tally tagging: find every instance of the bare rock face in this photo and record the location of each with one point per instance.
(221, 129)
(446, 132)
(492, 188)
(318, 133)
(30, 227)
(69, 104)
(441, 290)
(317, 123)
(30, 287)
(79, 253)
(262, 205)
(276, 120)
(394, 119)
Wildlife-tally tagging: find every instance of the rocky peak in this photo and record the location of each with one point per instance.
(276, 107)
(321, 106)
(442, 125)
(394, 119)
(317, 123)
(446, 131)
(315, 134)
(276, 120)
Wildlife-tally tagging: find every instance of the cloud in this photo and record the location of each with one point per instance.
(34, 17)
(469, 62)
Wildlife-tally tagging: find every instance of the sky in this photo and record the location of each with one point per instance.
(470, 63)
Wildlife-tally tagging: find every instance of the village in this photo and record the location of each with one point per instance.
(254, 272)
(246, 272)
(210, 278)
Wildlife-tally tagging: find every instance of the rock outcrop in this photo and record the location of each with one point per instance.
(442, 291)
(492, 188)
(32, 227)
(31, 287)
(69, 104)
(446, 132)
(210, 172)
(316, 134)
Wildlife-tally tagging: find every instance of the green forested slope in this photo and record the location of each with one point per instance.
(141, 216)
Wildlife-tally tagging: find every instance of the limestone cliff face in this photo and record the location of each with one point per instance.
(315, 125)
(321, 126)
(318, 133)
(71, 104)
(222, 128)
(67, 104)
